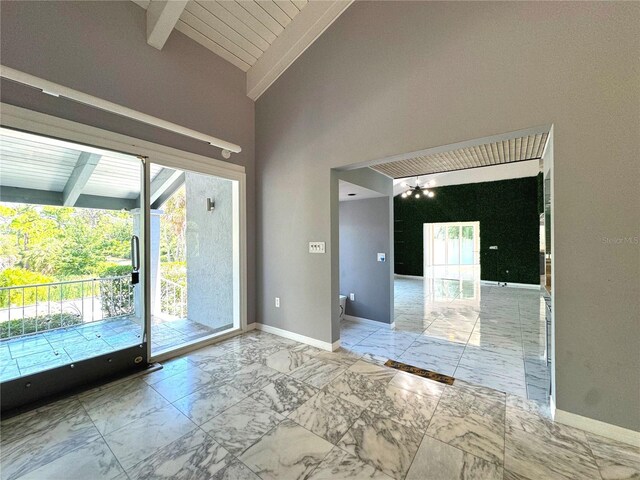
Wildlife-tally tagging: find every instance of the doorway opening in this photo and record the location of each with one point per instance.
(452, 312)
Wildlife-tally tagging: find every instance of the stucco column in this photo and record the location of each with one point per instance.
(209, 250)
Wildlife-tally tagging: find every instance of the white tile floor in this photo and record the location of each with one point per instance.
(263, 407)
(483, 334)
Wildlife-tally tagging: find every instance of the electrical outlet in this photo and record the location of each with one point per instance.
(352, 297)
(382, 257)
(316, 247)
(277, 302)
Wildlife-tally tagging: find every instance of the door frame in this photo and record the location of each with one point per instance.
(50, 126)
(427, 244)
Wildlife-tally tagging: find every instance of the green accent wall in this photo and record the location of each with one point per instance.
(508, 214)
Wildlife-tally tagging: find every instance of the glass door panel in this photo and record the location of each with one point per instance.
(70, 234)
(453, 245)
(439, 245)
(194, 252)
(467, 246)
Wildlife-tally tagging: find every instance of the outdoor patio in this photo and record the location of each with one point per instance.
(45, 350)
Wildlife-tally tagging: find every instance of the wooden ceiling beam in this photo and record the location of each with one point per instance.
(162, 16)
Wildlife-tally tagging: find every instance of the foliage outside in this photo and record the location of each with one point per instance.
(41, 246)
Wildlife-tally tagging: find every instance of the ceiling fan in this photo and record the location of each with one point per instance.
(417, 191)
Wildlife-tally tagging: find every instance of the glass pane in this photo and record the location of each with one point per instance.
(67, 216)
(194, 247)
(439, 245)
(467, 246)
(453, 245)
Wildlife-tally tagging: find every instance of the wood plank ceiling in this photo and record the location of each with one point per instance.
(238, 31)
(518, 149)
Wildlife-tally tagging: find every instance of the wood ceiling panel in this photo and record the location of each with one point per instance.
(287, 7)
(235, 23)
(262, 16)
(276, 12)
(198, 24)
(249, 20)
(222, 28)
(518, 149)
(211, 45)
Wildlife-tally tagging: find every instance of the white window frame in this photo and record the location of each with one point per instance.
(51, 126)
(428, 249)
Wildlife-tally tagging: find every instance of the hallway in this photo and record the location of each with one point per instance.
(483, 334)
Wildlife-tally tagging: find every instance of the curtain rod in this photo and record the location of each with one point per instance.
(57, 90)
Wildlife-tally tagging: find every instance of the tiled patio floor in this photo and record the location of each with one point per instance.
(35, 353)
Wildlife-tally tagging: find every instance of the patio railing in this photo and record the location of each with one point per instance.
(173, 298)
(33, 308)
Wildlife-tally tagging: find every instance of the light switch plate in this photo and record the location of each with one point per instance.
(382, 257)
(316, 247)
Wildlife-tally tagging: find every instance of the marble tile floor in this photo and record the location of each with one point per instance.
(484, 334)
(259, 406)
(39, 352)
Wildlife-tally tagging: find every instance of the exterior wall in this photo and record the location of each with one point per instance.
(365, 227)
(209, 250)
(100, 48)
(392, 77)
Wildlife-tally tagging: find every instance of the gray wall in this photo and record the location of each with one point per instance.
(387, 78)
(365, 231)
(100, 48)
(209, 250)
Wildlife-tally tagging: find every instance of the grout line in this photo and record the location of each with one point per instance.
(86, 412)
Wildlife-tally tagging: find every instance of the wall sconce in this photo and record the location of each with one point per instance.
(211, 205)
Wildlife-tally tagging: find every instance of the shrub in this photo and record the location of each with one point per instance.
(14, 328)
(116, 296)
(12, 277)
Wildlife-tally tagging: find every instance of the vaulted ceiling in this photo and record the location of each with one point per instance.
(261, 37)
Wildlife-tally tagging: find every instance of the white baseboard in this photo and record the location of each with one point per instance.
(534, 286)
(330, 347)
(251, 326)
(599, 428)
(368, 321)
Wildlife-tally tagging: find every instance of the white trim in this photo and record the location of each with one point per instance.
(368, 321)
(196, 345)
(299, 35)
(251, 326)
(297, 337)
(50, 126)
(407, 276)
(534, 286)
(599, 428)
(57, 90)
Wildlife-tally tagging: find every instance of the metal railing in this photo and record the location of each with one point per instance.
(26, 309)
(173, 298)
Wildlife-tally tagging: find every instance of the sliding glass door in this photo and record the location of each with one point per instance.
(451, 244)
(109, 261)
(194, 255)
(71, 265)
